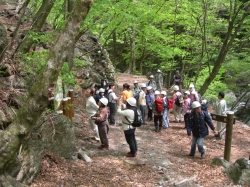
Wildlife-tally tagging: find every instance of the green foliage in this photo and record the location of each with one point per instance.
(33, 63)
(66, 75)
(79, 63)
(39, 37)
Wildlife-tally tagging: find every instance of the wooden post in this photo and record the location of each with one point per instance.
(71, 95)
(69, 108)
(229, 133)
(65, 107)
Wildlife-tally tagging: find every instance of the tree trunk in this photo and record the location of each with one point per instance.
(39, 20)
(37, 100)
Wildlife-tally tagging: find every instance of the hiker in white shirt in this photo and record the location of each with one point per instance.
(91, 108)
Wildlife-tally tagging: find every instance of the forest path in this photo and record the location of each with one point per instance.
(161, 159)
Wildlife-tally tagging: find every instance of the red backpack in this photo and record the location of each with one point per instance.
(159, 105)
(170, 103)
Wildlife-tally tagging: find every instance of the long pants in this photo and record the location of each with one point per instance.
(159, 86)
(130, 138)
(186, 119)
(156, 119)
(150, 114)
(112, 108)
(103, 133)
(177, 113)
(199, 142)
(94, 128)
(143, 113)
(165, 118)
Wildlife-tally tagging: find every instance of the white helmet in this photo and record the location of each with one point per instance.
(176, 88)
(158, 71)
(191, 86)
(187, 92)
(151, 76)
(104, 101)
(135, 82)
(101, 90)
(163, 92)
(157, 92)
(131, 101)
(196, 104)
(143, 85)
(149, 88)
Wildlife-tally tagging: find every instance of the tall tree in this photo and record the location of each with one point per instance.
(239, 11)
(27, 116)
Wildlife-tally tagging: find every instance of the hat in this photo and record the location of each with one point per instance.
(176, 88)
(158, 71)
(149, 88)
(104, 101)
(187, 92)
(135, 82)
(143, 85)
(101, 90)
(177, 71)
(163, 93)
(151, 76)
(191, 86)
(157, 92)
(196, 104)
(131, 101)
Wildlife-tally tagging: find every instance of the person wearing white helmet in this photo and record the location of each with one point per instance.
(158, 106)
(193, 94)
(178, 103)
(101, 120)
(99, 95)
(91, 108)
(152, 83)
(187, 108)
(127, 119)
(197, 126)
(165, 118)
(149, 98)
(136, 89)
(159, 80)
(142, 102)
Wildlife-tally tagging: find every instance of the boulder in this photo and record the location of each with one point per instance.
(3, 40)
(58, 135)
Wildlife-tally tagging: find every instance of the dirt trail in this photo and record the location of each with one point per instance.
(161, 158)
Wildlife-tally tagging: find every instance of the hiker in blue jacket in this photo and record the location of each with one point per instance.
(197, 125)
(149, 98)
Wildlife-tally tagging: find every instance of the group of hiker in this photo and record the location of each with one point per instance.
(150, 98)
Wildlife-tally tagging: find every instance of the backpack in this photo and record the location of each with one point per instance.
(179, 102)
(170, 103)
(159, 105)
(137, 119)
(136, 96)
(107, 96)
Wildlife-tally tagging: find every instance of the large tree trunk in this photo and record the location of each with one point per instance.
(235, 24)
(17, 132)
(39, 21)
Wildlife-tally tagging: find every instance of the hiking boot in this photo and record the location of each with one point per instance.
(159, 130)
(156, 130)
(130, 154)
(190, 155)
(101, 146)
(105, 148)
(202, 155)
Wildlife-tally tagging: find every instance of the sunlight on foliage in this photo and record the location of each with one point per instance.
(66, 75)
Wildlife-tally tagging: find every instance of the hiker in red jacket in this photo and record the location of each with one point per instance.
(158, 106)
